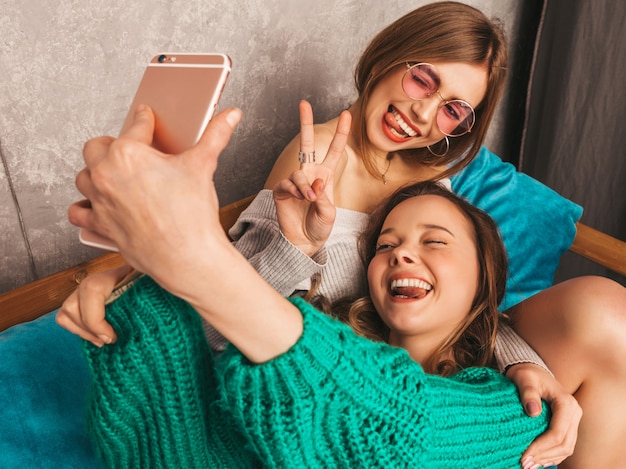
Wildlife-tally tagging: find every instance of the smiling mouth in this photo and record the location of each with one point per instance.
(410, 288)
(397, 125)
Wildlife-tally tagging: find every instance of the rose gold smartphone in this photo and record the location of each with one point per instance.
(183, 90)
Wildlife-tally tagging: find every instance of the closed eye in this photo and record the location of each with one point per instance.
(383, 247)
(436, 241)
(452, 111)
(422, 83)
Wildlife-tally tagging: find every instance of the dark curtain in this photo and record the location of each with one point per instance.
(574, 138)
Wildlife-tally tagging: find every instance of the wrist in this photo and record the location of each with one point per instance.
(304, 245)
(198, 274)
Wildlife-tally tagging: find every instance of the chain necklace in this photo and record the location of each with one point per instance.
(382, 175)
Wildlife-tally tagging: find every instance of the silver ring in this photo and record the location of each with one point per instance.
(306, 157)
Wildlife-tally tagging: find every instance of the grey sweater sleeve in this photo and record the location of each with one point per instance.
(511, 349)
(257, 236)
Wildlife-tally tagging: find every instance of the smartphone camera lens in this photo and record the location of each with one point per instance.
(162, 58)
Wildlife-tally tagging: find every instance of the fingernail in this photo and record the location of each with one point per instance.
(233, 117)
(528, 462)
(533, 408)
(105, 338)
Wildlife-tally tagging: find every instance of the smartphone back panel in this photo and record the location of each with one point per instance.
(183, 90)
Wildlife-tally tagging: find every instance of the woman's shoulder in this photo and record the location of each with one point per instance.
(324, 134)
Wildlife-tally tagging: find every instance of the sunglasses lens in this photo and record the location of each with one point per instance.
(455, 118)
(420, 81)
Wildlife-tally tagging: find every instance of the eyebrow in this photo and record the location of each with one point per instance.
(435, 77)
(427, 226)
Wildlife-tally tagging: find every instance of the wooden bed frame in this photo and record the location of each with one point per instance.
(37, 298)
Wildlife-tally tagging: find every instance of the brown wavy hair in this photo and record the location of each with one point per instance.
(473, 342)
(444, 32)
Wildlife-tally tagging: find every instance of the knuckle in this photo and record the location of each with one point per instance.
(121, 146)
(61, 318)
(90, 286)
(89, 144)
(68, 305)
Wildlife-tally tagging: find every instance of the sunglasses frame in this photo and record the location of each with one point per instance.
(444, 100)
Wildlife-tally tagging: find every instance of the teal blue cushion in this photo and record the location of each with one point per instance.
(537, 224)
(43, 389)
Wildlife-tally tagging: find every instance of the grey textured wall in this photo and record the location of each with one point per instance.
(69, 68)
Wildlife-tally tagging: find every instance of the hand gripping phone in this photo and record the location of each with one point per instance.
(183, 90)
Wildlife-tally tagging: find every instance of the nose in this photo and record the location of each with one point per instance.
(400, 255)
(426, 109)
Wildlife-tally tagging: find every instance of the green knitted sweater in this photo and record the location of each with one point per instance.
(159, 399)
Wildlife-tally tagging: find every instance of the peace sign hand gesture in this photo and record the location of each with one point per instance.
(304, 201)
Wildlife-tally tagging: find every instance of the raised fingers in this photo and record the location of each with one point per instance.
(307, 129)
(339, 141)
(307, 135)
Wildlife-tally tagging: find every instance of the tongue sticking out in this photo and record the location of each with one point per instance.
(391, 122)
(411, 292)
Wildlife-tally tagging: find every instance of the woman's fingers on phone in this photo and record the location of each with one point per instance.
(95, 149)
(307, 129)
(80, 214)
(217, 134)
(142, 128)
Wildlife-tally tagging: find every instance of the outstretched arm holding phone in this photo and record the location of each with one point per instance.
(150, 210)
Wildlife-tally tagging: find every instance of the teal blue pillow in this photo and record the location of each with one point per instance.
(536, 223)
(43, 391)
